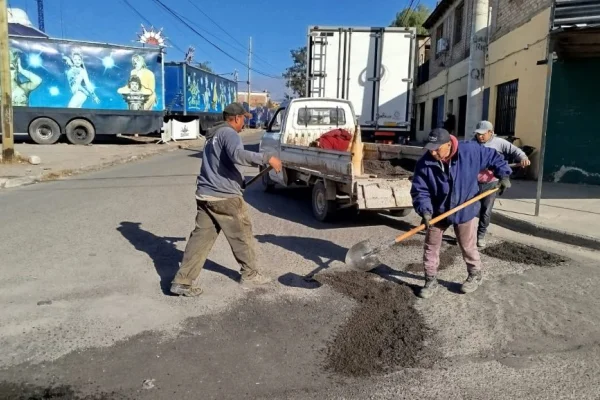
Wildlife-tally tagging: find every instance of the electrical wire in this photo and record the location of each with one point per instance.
(139, 14)
(258, 58)
(176, 15)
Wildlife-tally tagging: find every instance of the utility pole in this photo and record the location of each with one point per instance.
(6, 110)
(249, 68)
(476, 82)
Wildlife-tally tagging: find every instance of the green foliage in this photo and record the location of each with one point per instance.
(413, 18)
(296, 74)
(205, 65)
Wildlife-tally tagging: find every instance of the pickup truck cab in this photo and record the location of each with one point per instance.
(291, 135)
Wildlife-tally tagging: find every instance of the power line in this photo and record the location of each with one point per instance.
(227, 33)
(176, 15)
(147, 21)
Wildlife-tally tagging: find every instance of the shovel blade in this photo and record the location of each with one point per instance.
(362, 256)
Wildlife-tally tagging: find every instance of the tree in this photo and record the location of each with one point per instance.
(296, 74)
(413, 18)
(205, 65)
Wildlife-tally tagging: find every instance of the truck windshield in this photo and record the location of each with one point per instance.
(321, 116)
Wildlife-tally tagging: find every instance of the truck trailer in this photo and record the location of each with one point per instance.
(194, 94)
(373, 68)
(83, 89)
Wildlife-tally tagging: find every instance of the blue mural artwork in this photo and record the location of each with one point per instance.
(208, 92)
(65, 74)
(204, 92)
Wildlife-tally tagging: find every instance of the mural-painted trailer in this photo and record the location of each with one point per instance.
(84, 89)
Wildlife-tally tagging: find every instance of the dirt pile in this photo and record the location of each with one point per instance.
(519, 253)
(13, 391)
(383, 333)
(395, 168)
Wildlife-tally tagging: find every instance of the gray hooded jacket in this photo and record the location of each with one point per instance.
(221, 173)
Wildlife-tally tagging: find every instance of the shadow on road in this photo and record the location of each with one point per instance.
(318, 251)
(395, 276)
(164, 253)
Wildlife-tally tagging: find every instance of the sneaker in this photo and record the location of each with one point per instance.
(474, 280)
(186, 290)
(256, 279)
(480, 242)
(431, 285)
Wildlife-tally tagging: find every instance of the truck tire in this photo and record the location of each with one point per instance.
(80, 131)
(323, 209)
(44, 131)
(405, 212)
(267, 183)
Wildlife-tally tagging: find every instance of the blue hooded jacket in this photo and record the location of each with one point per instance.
(435, 191)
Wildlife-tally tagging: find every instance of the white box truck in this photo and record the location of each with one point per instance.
(373, 68)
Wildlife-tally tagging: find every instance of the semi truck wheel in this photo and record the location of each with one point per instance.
(323, 209)
(80, 131)
(44, 131)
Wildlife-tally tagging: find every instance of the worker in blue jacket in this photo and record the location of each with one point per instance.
(445, 177)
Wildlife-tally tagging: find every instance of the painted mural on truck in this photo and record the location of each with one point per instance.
(207, 92)
(60, 74)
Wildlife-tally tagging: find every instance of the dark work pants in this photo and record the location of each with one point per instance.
(231, 217)
(485, 213)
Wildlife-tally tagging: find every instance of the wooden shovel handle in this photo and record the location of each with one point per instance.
(444, 215)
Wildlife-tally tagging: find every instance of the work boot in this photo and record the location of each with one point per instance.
(481, 242)
(431, 285)
(255, 279)
(186, 290)
(473, 282)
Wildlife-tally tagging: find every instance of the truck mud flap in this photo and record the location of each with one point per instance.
(381, 194)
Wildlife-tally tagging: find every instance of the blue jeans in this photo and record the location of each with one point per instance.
(485, 213)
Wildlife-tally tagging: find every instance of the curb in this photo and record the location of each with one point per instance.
(8, 183)
(530, 228)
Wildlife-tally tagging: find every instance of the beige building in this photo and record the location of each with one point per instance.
(514, 82)
(257, 99)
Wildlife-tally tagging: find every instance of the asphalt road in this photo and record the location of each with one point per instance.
(85, 263)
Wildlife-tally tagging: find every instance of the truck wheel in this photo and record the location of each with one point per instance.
(80, 131)
(323, 209)
(44, 131)
(267, 183)
(405, 212)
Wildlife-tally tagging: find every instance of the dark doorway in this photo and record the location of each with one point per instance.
(506, 108)
(462, 115)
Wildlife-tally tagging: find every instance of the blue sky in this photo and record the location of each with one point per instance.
(275, 27)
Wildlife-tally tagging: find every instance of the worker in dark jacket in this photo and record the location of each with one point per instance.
(445, 177)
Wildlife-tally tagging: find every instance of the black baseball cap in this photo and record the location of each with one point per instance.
(235, 109)
(436, 138)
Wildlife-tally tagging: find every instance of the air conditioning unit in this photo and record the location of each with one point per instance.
(441, 45)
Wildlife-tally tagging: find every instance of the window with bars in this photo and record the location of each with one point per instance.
(506, 108)
(459, 13)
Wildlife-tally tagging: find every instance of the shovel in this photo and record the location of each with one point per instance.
(363, 256)
(258, 176)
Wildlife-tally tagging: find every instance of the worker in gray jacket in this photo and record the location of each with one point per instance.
(220, 204)
(484, 134)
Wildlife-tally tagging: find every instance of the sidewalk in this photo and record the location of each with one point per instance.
(568, 213)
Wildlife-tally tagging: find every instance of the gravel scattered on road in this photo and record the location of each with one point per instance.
(383, 334)
(519, 253)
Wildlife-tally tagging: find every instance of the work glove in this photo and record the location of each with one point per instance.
(503, 185)
(425, 220)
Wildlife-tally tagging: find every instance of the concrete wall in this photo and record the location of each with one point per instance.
(512, 56)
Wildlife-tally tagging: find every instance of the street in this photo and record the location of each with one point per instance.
(86, 264)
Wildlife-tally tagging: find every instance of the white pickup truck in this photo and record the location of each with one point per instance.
(331, 173)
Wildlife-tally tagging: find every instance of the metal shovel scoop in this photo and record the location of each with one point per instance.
(363, 256)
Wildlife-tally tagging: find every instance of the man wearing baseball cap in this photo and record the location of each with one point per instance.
(445, 177)
(484, 135)
(220, 204)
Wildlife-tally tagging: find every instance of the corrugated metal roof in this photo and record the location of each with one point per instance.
(576, 13)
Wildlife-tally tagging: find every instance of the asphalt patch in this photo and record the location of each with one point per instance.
(383, 334)
(23, 391)
(395, 168)
(522, 254)
(448, 256)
